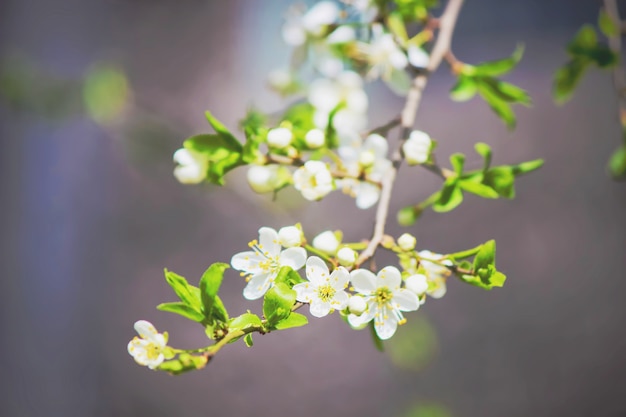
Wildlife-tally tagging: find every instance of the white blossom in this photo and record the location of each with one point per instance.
(417, 147)
(290, 236)
(368, 157)
(407, 242)
(147, 349)
(437, 274)
(313, 180)
(417, 284)
(279, 137)
(192, 166)
(418, 57)
(266, 178)
(387, 60)
(300, 27)
(384, 298)
(261, 265)
(326, 242)
(324, 292)
(357, 305)
(347, 257)
(315, 138)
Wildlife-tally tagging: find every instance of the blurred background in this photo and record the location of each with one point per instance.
(91, 215)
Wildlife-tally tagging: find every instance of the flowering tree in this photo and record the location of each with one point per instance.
(322, 143)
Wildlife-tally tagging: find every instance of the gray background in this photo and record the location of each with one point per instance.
(90, 216)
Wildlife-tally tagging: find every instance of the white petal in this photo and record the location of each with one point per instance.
(405, 300)
(246, 261)
(367, 195)
(145, 329)
(378, 144)
(357, 101)
(183, 157)
(389, 277)
(257, 286)
(268, 241)
(341, 300)
(343, 34)
(358, 321)
(190, 174)
(324, 95)
(305, 292)
(398, 59)
(316, 270)
(319, 308)
(418, 283)
(418, 57)
(363, 281)
(156, 362)
(323, 13)
(293, 34)
(339, 278)
(387, 326)
(293, 257)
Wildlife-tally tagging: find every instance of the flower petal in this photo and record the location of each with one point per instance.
(320, 308)
(145, 329)
(246, 261)
(305, 292)
(387, 325)
(405, 300)
(339, 278)
(340, 301)
(268, 241)
(257, 286)
(293, 257)
(389, 277)
(316, 270)
(363, 281)
(367, 195)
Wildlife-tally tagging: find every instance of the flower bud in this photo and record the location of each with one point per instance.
(347, 257)
(407, 242)
(290, 236)
(280, 137)
(367, 159)
(315, 138)
(417, 284)
(192, 166)
(326, 242)
(357, 305)
(417, 148)
(263, 178)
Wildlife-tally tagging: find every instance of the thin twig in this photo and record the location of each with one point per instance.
(447, 22)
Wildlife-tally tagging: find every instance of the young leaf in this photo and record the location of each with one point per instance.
(450, 196)
(477, 188)
(182, 289)
(247, 339)
(607, 25)
(499, 105)
(209, 286)
(229, 140)
(486, 256)
(457, 161)
(484, 150)
(584, 40)
(245, 321)
(567, 78)
(395, 23)
(183, 310)
(184, 363)
(526, 167)
(294, 320)
(501, 66)
(219, 312)
(617, 163)
(506, 91)
(502, 180)
(277, 303)
(464, 89)
(288, 276)
(221, 155)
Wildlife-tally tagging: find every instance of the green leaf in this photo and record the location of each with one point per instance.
(617, 163)
(183, 310)
(502, 180)
(585, 39)
(585, 46)
(486, 256)
(567, 78)
(477, 188)
(450, 196)
(457, 161)
(184, 363)
(464, 254)
(219, 312)
(182, 289)
(501, 66)
(506, 91)
(496, 279)
(209, 286)
(499, 105)
(105, 93)
(526, 167)
(277, 303)
(245, 321)
(464, 89)
(288, 276)
(220, 154)
(484, 150)
(229, 140)
(247, 339)
(606, 24)
(293, 320)
(300, 116)
(254, 127)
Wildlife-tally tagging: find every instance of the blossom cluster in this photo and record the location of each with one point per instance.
(358, 293)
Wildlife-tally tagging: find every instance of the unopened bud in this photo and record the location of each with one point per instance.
(290, 236)
(280, 137)
(417, 284)
(347, 257)
(315, 138)
(357, 305)
(326, 242)
(407, 242)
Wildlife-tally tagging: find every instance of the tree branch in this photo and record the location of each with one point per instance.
(447, 22)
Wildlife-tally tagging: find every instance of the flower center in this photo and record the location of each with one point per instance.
(153, 351)
(270, 264)
(326, 292)
(383, 295)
